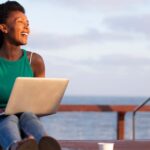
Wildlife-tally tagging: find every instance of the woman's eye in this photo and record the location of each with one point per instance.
(23, 23)
(19, 21)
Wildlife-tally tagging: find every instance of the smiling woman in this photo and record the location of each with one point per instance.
(16, 62)
(18, 27)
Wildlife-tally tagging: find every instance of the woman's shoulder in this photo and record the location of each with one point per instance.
(34, 57)
(37, 62)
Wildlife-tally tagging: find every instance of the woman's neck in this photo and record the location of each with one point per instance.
(10, 52)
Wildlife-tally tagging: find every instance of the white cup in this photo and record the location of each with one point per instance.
(106, 146)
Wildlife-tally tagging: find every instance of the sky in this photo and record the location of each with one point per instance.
(101, 46)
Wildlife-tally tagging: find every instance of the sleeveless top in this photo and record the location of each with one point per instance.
(9, 71)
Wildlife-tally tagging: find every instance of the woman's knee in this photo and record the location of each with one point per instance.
(26, 116)
(9, 122)
(10, 118)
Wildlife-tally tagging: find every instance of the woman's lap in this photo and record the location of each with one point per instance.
(12, 125)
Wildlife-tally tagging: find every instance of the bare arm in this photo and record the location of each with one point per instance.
(38, 65)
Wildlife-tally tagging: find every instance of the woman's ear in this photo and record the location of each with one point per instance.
(3, 28)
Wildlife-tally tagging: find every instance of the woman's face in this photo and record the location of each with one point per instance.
(17, 26)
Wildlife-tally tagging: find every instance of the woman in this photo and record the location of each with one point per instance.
(16, 62)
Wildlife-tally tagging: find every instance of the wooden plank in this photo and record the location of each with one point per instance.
(93, 145)
(78, 145)
(103, 108)
(132, 145)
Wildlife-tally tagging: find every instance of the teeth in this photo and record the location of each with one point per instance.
(24, 33)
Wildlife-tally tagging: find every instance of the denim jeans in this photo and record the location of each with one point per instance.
(12, 125)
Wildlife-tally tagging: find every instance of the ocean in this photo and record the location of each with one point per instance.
(96, 125)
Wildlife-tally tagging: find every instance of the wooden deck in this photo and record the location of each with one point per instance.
(93, 145)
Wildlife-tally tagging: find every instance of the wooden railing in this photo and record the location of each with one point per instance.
(121, 110)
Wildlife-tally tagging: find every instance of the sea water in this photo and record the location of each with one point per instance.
(96, 125)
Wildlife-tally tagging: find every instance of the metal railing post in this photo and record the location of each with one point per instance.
(133, 117)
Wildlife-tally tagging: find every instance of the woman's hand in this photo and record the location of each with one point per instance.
(1, 110)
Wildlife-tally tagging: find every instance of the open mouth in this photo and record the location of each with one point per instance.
(24, 34)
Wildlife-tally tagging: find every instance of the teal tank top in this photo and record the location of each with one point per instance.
(9, 71)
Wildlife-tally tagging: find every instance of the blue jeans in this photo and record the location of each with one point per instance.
(12, 125)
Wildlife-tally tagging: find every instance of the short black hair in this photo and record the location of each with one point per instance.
(5, 10)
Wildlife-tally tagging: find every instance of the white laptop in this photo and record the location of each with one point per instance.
(41, 96)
